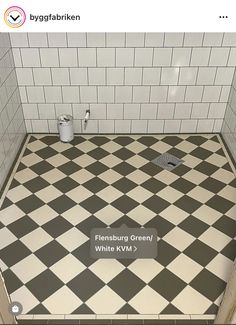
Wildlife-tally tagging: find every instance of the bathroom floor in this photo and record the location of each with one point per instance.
(60, 192)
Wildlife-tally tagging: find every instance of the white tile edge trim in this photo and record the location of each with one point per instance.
(121, 316)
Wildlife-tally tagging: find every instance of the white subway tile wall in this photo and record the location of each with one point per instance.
(12, 126)
(132, 82)
(229, 124)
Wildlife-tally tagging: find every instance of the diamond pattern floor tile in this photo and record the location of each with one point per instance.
(208, 284)
(62, 191)
(22, 226)
(57, 226)
(128, 280)
(51, 253)
(167, 284)
(12, 282)
(30, 300)
(64, 299)
(28, 268)
(194, 251)
(7, 237)
(198, 303)
(114, 301)
(44, 285)
(79, 285)
(156, 302)
(67, 268)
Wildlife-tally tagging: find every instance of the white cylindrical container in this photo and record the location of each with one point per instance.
(65, 128)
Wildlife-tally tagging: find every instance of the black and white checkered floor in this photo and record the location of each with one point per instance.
(59, 192)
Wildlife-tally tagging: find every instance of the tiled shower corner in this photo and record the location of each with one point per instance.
(148, 94)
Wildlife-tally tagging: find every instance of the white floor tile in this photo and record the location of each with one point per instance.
(156, 303)
(110, 161)
(232, 213)
(7, 237)
(136, 161)
(10, 214)
(141, 214)
(28, 268)
(215, 239)
(63, 300)
(170, 194)
(18, 193)
(36, 239)
(186, 146)
(75, 215)
(229, 193)
(108, 214)
(86, 146)
(25, 297)
(48, 194)
(106, 269)
(25, 175)
(211, 145)
(179, 238)
(109, 194)
(113, 301)
(138, 177)
(57, 160)
(60, 146)
(136, 147)
(195, 177)
(72, 239)
(223, 175)
(79, 194)
(31, 159)
(221, 266)
(166, 177)
(139, 194)
(36, 145)
(217, 160)
(84, 160)
(191, 161)
(200, 194)
(207, 214)
(184, 267)
(189, 301)
(161, 147)
(82, 176)
(42, 215)
(67, 268)
(53, 176)
(110, 176)
(174, 214)
(146, 269)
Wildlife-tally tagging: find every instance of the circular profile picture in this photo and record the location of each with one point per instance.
(14, 17)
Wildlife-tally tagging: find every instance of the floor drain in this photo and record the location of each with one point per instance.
(167, 161)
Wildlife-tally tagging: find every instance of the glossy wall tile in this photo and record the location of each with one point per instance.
(229, 124)
(151, 71)
(12, 127)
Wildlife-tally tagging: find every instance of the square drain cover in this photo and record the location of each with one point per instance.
(167, 161)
